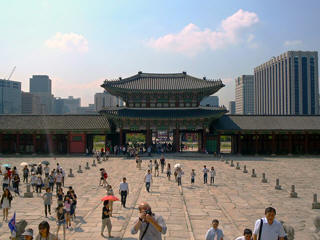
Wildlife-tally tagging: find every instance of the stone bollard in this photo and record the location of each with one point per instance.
(315, 204)
(238, 166)
(94, 163)
(227, 162)
(87, 166)
(253, 173)
(245, 169)
(278, 186)
(231, 164)
(293, 193)
(264, 180)
(316, 223)
(28, 194)
(70, 173)
(80, 170)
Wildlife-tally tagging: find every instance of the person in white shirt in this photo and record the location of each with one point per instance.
(212, 175)
(46, 171)
(272, 229)
(247, 235)
(148, 180)
(179, 175)
(33, 181)
(150, 166)
(124, 191)
(214, 233)
(205, 171)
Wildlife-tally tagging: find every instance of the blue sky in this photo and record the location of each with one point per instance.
(81, 43)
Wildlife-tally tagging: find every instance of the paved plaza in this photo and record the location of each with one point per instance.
(236, 199)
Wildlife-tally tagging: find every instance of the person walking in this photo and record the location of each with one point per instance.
(179, 175)
(58, 180)
(44, 232)
(268, 228)
(156, 168)
(192, 175)
(205, 174)
(47, 201)
(212, 175)
(214, 232)
(169, 171)
(39, 169)
(39, 184)
(110, 193)
(148, 180)
(46, 171)
(25, 173)
(150, 166)
(33, 181)
(162, 162)
(60, 196)
(74, 200)
(51, 180)
(106, 219)
(67, 207)
(5, 181)
(61, 220)
(15, 183)
(6, 203)
(151, 226)
(124, 191)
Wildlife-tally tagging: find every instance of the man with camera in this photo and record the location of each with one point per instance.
(151, 226)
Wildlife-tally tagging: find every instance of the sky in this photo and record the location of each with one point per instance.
(80, 43)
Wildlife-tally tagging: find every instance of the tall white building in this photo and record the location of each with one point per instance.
(232, 107)
(288, 84)
(40, 86)
(245, 94)
(105, 100)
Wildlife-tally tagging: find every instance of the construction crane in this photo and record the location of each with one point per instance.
(14, 68)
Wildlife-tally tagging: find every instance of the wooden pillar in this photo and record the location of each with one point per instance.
(290, 144)
(34, 140)
(306, 143)
(17, 143)
(274, 146)
(69, 143)
(239, 147)
(148, 101)
(257, 144)
(204, 141)
(177, 139)
(50, 144)
(199, 142)
(218, 143)
(120, 137)
(1, 142)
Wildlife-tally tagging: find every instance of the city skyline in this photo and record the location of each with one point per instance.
(105, 40)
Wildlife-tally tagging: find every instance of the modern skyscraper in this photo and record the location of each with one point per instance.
(30, 103)
(232, 107)
(288, 84)
(212, 101)
(105, 99)
(10, 97)
(245, 94)
(40, 85)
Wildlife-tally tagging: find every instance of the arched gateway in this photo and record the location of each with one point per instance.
(166, 104)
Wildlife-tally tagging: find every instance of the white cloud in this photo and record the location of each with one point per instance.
(191, 39)
(68, 42)
(293, 43)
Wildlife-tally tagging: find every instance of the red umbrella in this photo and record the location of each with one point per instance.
(110, 197)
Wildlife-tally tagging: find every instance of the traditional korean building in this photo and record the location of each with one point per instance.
(164, 102)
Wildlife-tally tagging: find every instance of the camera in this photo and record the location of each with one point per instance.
(148, 212)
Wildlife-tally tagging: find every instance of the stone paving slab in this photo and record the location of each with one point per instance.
(236, 199)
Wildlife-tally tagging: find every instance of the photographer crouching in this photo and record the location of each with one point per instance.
(151, 226)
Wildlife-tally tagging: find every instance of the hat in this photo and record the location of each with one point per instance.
(28, 232)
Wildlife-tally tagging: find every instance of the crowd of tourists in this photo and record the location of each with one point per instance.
(45, 182)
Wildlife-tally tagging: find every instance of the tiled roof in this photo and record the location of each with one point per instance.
(162, 82)
(53, 122)
(255, 122)
(168, 113)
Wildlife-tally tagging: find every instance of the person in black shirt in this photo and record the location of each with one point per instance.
(162, 163)
(106, 219)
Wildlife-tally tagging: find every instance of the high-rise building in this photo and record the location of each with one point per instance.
(10, 97)
(30, 103)
(288, 84)
(245, 94)
(232, 107)
(90, 109)
(40, 85)
(105, 99)
(210, 101)
(68, 105)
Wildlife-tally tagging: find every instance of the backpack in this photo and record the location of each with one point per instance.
(105, 175)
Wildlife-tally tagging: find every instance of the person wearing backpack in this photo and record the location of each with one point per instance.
(268, 228)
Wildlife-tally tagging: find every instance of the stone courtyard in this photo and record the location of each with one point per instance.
(236, 199)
